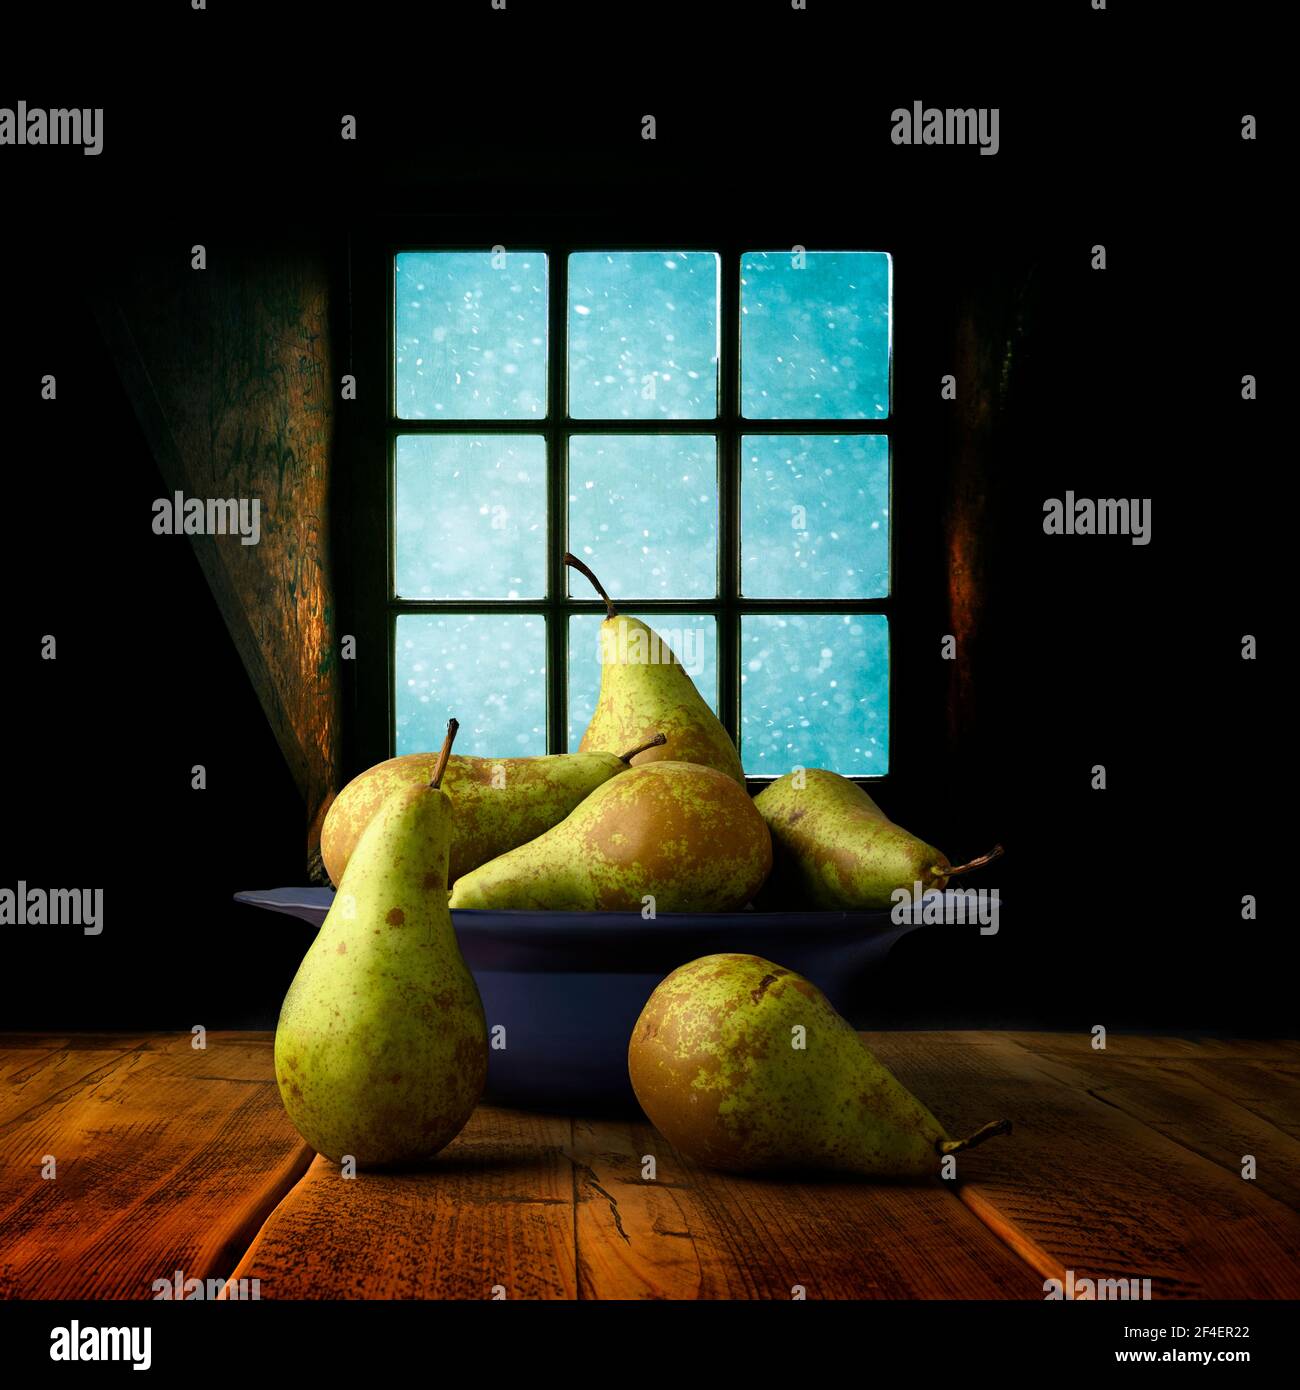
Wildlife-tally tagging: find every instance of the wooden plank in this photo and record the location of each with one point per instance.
(1223, 1110)
(30, 1074)
(1123, 1164)
(1084, 1186)
(1270, 1090)
(1137, 1047)
(494, 1209)
(695, 1234)
(1262, 1076)
(167, 1158)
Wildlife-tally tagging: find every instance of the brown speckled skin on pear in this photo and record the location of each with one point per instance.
(834, 847)
(713, 1065)
(381, 1047)
(500, 802)
(688, 836)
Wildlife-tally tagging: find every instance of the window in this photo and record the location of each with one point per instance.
(707, 429)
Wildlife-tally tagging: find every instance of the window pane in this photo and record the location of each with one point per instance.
(643, 335)
(814, 516)
(693, 638)
(814, 692)
(470, 516)
(814, 335)
(643, 513)
(487, 670)
(471, 335)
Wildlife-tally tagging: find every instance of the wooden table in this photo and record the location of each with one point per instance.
(1124, 1163)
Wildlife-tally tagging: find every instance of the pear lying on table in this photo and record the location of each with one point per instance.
(644, 689)
(745, 1066)
(381, 1049)
(500, 802)
(685, 836)
(834, 847)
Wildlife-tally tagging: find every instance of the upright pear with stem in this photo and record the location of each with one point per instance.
(644, 688)
(381, 1048)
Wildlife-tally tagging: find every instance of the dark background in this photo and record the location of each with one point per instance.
(1123, 906)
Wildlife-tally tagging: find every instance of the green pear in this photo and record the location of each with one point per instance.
(686, 836)
(381, 1048)
(500, 802)
(743, 1065)
(644, 688)
(834, 847)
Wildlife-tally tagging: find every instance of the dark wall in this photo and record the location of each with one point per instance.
(101, 741)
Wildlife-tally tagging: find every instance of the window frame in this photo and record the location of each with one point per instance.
(376, 553)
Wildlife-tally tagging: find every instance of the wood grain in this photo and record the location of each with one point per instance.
(1123, 1164)
(1219, 1107)
(31, 1065)
(1084, 1185)
(167, 1158)
(695, 1234)
(493, 1214)
(1134, 1047)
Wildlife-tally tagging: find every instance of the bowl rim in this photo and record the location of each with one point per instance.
(555, 924)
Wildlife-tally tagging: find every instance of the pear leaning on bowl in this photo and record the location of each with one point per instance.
(644, 689)
(381, 1048)
(834, 847)
(668, 837)
(745, 1066)
(499, 802)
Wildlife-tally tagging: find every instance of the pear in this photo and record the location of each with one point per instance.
(500, 802)
(643, 687)
(686, 836)
(744, 1065)
(834, 847)
(381, 1048)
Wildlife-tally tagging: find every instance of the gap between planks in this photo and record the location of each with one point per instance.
(1063, 1075)
(1126, 1185)
(1148, 1074)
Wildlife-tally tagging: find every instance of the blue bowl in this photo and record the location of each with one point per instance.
(568, 987)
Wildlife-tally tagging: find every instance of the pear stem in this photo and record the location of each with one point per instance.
(995, 853)
(575, 563)
(441, 765)
(952, 1146)
(657, 742)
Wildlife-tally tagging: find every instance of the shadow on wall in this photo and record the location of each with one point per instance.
(227, 367)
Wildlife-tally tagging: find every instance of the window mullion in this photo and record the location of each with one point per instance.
(557, 622)
(729, 493)
(728, 605)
